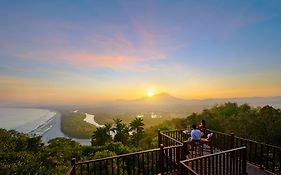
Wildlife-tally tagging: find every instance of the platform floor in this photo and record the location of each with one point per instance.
(251, 169)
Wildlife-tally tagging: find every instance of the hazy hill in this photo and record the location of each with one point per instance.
(163, 102)
(167, 103)
(166, 99)
(158, 99)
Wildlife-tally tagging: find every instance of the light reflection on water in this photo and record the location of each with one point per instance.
(24, 119)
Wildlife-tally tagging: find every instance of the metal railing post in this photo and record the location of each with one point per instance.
(162, 159)
(184, 151)
(232, 137)
(279, 160)
(73, 161)
(232, 140)
(244, 162)
(159, 138)
(182, 169)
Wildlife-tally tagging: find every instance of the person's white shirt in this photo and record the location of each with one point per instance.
(196, 134)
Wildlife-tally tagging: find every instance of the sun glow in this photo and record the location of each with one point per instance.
(150, 93)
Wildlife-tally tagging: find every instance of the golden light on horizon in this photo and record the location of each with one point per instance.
(150, 93)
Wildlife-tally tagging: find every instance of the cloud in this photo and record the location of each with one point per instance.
(242, 19)
(113, 61)
(116, 50)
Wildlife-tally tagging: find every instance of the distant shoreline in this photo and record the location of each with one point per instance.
(56, 131)
(35, 122)
(25, 120)
(91, 119)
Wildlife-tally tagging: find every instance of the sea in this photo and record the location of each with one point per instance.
(25, 120)
(35, 122)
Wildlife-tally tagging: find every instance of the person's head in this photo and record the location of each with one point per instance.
(193, 126)
(203, 122)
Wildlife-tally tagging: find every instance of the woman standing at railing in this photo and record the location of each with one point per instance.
(202, 127)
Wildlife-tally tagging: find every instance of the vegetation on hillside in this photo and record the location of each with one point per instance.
(262, 124)
(120, 132)
(71, 120)
(20, 154)
(127, 117)
(74, 126)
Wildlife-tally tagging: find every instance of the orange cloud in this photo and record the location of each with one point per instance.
(114, 48)
(96, 60)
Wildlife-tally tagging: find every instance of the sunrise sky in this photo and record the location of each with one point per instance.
(86, 51)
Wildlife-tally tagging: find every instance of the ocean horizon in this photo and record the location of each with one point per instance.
(24, 119)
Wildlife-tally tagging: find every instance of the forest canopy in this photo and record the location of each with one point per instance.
(21, 154)
(262, 124)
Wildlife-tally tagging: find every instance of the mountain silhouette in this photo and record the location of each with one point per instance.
(160, 99)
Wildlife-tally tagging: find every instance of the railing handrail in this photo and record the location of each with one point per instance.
(249, 140)
(213, 131)
(118, 156)
(173, 130)
(258, 153)
(199, 170)
(175, 146)
(70, 171)
(262, 143)
(214, 154)
(175, 140)
(187, 167)
(173, 137)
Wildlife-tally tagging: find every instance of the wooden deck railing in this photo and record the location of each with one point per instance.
(169, 139)
(175, 134)
(222, 163)
(222, 141)
(144, 162)
(265, 156)
(172, 150)
(161, 160)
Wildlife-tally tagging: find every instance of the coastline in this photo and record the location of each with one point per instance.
(24, 120)
(37, 122)
(91, 119)
(55, 131)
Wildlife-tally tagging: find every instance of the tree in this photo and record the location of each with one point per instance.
(137, 130)
(105, 167)
(121, 131)
(102, 135)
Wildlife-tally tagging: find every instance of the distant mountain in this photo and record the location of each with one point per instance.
(167, 99)
(166, 102)
(160, 99)
(253, 101)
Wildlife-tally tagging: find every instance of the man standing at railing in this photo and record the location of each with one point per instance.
(195, 134)
(195, 137)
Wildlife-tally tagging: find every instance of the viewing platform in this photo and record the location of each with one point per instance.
(223, 154)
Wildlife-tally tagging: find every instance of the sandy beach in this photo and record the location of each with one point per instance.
(54, 130)
(91, 119)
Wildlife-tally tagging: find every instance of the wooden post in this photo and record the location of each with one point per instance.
(261, 158)
(232, 143)
(232, 140)
(244, 162)
(73, 161)
(280, 160)
(182, 170)
(184, 150)
(159, 138)
(162, 159)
